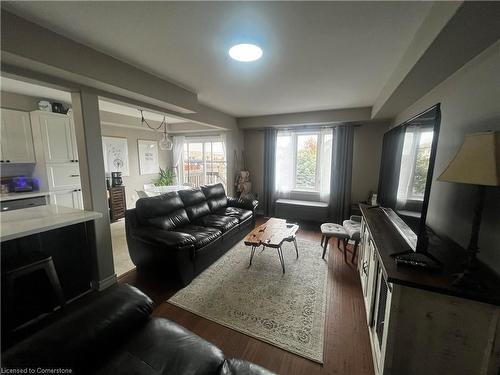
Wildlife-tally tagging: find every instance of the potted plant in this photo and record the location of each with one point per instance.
(166, 178)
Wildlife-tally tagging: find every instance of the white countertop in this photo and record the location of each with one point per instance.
(26, 221)
(14, 196)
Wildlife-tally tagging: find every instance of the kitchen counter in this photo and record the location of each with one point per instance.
(30, 194)
(24, 222)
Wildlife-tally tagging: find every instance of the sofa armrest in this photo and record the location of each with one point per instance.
(171, 239)
(98, 327)
(239, 367)
(246, 204)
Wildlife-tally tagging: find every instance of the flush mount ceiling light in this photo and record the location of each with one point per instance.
(245, 52)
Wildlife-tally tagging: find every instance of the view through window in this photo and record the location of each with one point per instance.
(307, 155)
(303, 161)
(414, 164)
(204, 162)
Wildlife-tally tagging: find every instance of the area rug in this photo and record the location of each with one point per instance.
(286, 310)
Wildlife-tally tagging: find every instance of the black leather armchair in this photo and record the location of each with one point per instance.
(187, 231)
(115, 334)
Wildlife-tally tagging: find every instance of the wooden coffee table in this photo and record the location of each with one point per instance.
(272, 234)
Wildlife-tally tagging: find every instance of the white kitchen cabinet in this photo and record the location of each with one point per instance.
(58, 168)
(58, 138)
(63, 176)
(16, 138)
(67, 198)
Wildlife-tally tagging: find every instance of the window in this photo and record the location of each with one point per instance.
(414, 164)
(204, 161)
(303, 162)
(306, 162)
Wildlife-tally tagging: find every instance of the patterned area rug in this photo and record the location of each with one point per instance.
(286, 310)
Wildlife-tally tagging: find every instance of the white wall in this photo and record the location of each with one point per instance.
(470, 102)
(136, 181)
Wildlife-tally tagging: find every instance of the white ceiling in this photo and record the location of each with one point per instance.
(42, 92)
(317, 55)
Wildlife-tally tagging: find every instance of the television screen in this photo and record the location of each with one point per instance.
(407, 166)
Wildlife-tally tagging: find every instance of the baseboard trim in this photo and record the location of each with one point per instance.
(100, 285)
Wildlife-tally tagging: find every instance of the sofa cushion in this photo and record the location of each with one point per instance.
(164, 347)
(216, 196)
(171, 239)
(164, 211)
(222, 223)
(170, 221)
(239, 213)
(195, 203)
(203, 235)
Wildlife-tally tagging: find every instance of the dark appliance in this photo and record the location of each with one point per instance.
(19, 184)
(116, 179)
(58, 108)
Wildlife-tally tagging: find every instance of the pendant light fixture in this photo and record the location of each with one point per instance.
(165, 143)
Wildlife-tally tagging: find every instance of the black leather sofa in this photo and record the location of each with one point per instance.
(115, 334)
(187, 231)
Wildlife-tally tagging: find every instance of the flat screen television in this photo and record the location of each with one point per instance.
(406, 171)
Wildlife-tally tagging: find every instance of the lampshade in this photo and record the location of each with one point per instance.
(477, 162)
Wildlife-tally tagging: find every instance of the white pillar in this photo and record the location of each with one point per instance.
(88, 137)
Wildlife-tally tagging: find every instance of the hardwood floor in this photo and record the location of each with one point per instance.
(347, 346)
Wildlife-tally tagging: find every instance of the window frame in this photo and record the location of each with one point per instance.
(410, 201)
(203, 141)
(294, 144)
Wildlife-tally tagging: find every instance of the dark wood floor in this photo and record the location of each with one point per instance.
(347, 346)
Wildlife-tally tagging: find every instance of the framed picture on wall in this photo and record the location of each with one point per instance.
(115, 151)
(148, 156)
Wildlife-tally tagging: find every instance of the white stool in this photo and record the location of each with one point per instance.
(353, 228)
(329, 230)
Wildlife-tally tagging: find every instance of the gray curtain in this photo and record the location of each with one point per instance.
(269, 198)
(340, 179)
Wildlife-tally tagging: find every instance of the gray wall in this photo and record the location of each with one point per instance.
(254, 151)
(366, 159)
(136, 181)
(469, 103)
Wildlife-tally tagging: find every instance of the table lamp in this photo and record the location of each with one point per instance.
(477, 162)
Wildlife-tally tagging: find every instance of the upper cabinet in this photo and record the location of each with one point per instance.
(16, 138)
(58, 137)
